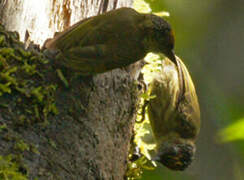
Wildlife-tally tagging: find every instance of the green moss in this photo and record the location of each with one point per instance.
(21, 146)
(34, 149)
(52, 143)
(23, 73)
(9, 169)
(2, 40)
(3, 127)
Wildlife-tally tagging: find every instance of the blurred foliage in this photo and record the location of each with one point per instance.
(156, 6)
(207, 37)
(233, 132)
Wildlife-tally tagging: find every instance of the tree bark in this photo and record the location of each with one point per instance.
(89, 138)
(43, 19)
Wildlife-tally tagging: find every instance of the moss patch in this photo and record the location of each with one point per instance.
(9, 169)
(23, 75)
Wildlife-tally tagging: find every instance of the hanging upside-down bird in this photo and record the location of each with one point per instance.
(119, 38)
(175, 122)
(112, 40)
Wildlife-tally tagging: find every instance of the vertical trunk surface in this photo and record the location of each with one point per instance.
(90, 136)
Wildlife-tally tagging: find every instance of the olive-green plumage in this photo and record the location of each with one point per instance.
(175, 123)
(112, 40)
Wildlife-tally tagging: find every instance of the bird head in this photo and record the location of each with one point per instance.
(162, 36)
(175, 156)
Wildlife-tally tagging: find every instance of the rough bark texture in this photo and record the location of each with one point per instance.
(44, 18)
(90, 136)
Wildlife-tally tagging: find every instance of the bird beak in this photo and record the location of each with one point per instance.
(171, 56)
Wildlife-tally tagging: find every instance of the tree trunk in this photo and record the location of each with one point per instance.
(90, 135)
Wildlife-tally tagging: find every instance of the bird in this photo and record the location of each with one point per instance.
(112, 40)
(175, 125)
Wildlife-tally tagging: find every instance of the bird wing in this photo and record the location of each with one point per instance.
(96, 30)
(190, 100)
(51, 43)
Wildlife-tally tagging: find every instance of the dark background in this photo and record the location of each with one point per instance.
(210, 40)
